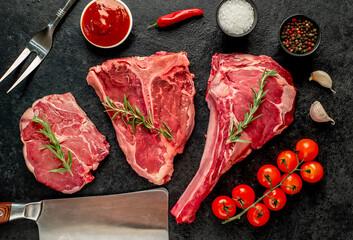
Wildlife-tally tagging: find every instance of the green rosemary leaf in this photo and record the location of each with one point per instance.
(58, 170)
(231, 126)
(114, 116)
(129, 107)
(253, 89)
(256, 117)
(70, 158)
(150, 116)
(264, 93)
(133, 125)
(136, 118)
(125, 102)
(237, 128)
(167, 128)
(167, 134)
(138, 112)
(43, 147)
(242, 140)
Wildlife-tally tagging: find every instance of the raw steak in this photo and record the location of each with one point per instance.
(161, 83)
(229, 90)
(74, 131)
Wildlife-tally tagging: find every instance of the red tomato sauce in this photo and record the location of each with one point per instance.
(105, 23)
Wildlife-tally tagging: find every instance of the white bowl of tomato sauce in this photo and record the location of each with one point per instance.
(106, 23)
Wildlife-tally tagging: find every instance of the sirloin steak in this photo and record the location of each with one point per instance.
(229, 90)
(74, 131)
(162, 84)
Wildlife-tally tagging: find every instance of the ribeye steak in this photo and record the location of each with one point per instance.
(162, 84)
(229, 91)
(74, 131)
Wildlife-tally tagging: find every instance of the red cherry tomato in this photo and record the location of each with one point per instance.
(258, 215)
(287, 158)
(293, 184)
(276, 199)
(308, 149)
(223, 207)
(268, 176)
(243, 196)
(311, 172)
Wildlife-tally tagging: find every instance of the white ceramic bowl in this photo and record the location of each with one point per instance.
(117, 44)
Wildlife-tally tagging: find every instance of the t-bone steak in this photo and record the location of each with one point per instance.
(229, 91)
(162, 84)
(74, 131)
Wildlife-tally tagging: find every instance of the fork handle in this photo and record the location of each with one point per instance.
(60, 14)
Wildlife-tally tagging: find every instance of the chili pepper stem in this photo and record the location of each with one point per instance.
(266, 194)
(153, 25)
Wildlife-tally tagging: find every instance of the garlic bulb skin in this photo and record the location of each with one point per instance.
(322, 78)
(318, 113)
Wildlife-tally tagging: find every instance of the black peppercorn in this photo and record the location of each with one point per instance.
(299, 35)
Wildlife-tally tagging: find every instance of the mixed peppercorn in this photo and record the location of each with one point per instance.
(299, 35)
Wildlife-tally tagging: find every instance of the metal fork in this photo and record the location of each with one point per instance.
(40, 44)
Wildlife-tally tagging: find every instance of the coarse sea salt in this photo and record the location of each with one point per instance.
(236, 16)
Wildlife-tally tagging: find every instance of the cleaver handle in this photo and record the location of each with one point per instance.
(5, 210)
(12, 211)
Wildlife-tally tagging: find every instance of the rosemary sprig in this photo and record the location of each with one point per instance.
(54, 146)
(237, 128)
(135, 117)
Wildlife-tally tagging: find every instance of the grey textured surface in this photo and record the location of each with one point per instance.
(321, 211)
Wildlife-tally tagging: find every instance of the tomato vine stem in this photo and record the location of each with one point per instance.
(266, 194)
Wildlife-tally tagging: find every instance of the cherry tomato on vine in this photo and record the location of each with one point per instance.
(276, 199)
(287, 158)
(268, 176)
(311, 172)
(293, 184)
(258, 215)
(223, 207)
(243, 196)
(308, 149)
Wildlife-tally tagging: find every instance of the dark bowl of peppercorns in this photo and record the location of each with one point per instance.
(299, 35)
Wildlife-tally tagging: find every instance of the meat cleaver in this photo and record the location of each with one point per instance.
(136, 215)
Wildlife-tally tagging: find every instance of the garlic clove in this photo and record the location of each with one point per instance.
(322, 78)
(318, 113)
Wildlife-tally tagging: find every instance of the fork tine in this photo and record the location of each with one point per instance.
(30, 68)
(17, 62)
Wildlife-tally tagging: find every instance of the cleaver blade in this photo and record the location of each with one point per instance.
(136, 215)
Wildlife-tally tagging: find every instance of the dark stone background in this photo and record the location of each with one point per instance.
(321, 211)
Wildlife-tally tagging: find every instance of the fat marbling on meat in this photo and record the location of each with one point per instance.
(162, 84)
(74, 131)
(229, 91)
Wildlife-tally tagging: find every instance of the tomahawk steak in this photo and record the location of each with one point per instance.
(229, 91)
(74, 131)
(161, 84)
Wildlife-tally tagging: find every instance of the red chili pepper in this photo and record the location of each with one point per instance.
(176, 17)
(309, 43)
(309, 48)
(294, 20)
(299, 32)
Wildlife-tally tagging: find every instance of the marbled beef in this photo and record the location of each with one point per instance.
(229, 91)
(74, 131)
(162, 84)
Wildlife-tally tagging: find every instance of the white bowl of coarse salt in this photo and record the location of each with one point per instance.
(237, 18)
